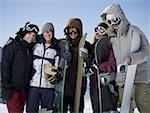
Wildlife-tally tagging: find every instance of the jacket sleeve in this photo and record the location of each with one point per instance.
(6, 65)
(57, 58)
(141, 55)
(110, 65)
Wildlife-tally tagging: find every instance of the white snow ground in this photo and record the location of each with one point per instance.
(88, 107)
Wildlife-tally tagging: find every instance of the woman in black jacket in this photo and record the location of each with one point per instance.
(16, 65)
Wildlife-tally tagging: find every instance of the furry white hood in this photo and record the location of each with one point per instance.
(116, 10)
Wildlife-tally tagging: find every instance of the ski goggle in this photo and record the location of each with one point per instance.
(31, 27)
(70, 30)
(100, 30)
(114, 21)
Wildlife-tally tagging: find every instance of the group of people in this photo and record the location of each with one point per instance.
(25, 58)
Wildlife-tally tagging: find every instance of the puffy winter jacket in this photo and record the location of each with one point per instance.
(123, 41)
(16, 65)
(43, 54)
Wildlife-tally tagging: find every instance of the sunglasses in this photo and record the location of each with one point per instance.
(114, 21)
(100, 30)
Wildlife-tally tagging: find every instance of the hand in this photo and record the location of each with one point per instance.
(83, 53)
(128, 60)
(51, 79)
(59, 74)
(67, 55)
(103, 81)
(50, 73)
(94, 68)
(105, 78)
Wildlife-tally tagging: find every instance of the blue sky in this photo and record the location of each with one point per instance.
(14, 14)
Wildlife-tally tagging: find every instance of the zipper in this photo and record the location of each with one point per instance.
(42, 65)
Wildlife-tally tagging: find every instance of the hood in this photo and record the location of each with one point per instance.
(75, 22)
(115, 9)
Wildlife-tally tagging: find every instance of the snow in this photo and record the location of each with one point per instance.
(87, 109)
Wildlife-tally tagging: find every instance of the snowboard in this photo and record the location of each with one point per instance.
(79, 76)
(64, 65)
(130, 75)
(101, 52)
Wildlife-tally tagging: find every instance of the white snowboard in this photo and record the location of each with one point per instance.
(125, 105)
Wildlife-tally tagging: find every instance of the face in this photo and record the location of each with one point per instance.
(48, 35)
(114, 21)
(29, 37)
(98, 36)
(100, 30)
(73, 33)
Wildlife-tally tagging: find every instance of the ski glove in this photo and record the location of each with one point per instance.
(50, 73)
(67, 55)
(106, 78)
(83, 53)
(94, 68)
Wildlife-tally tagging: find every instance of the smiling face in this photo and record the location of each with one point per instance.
(113, 20)
(29, 37)
(48, 35)
(73, 32)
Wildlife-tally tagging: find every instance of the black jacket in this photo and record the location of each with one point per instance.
(16, 65)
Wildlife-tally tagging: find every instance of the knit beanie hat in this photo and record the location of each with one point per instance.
(47, 26)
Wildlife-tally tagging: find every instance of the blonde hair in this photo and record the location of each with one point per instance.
(94, 37)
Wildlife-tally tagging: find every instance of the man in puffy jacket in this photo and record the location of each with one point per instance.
(126, 38)
(16, 66)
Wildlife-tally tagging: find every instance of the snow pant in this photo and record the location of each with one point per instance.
(109, 99)
(39, 96)
(17, 102)
(69, 102)
(131, 110)
(142, 97)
